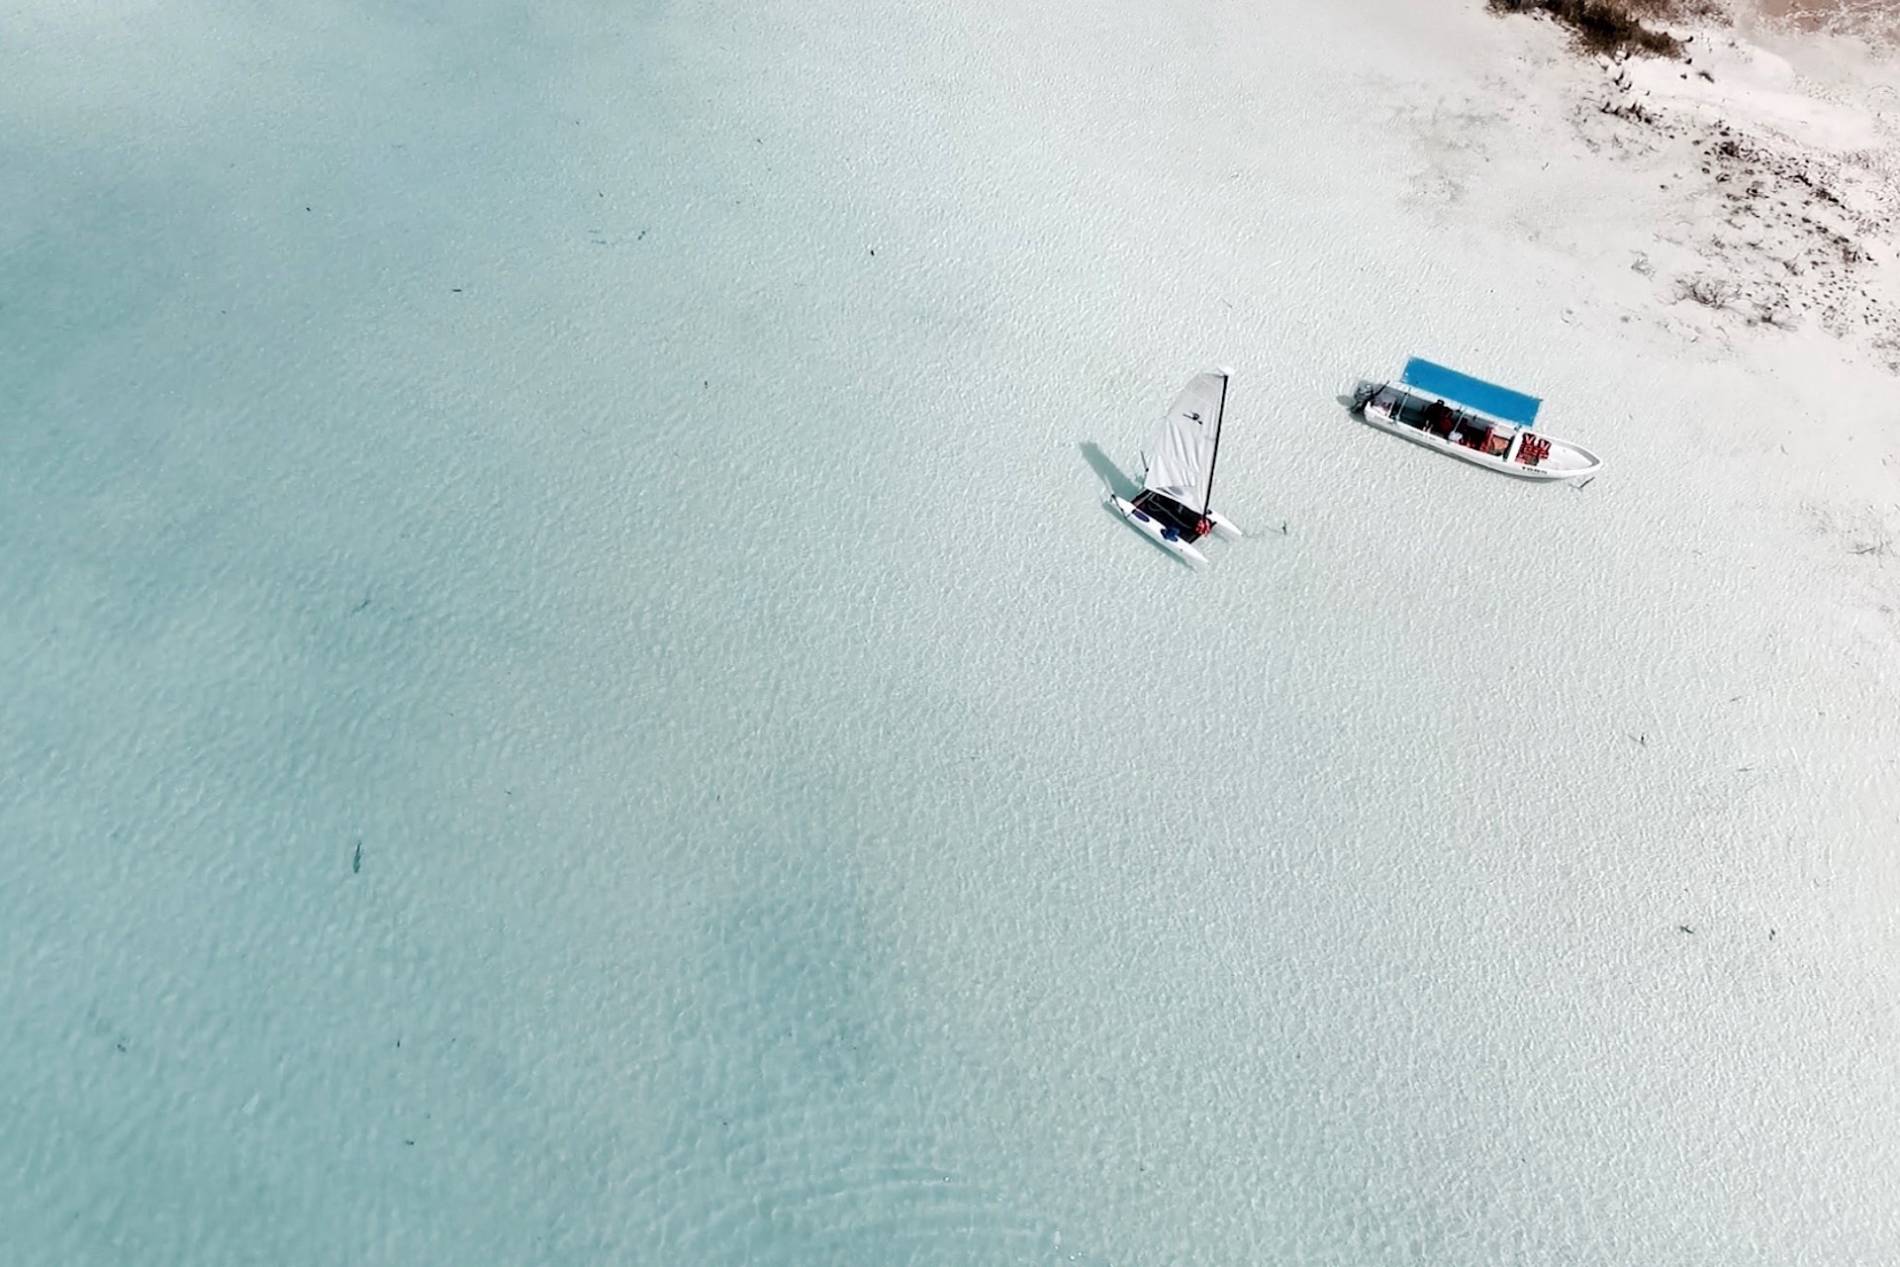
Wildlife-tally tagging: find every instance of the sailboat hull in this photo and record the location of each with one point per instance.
(1165, 537)
(1177, 484)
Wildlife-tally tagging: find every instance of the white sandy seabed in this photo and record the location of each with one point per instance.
(570, 698)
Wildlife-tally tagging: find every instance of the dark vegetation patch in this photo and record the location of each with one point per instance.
(1611, 26)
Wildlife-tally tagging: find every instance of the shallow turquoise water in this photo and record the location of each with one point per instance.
(620, 468)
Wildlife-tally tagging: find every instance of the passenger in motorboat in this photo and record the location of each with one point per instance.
(1486, 438)
(1440, 418)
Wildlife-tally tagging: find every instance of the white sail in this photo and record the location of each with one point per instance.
(1181, 459)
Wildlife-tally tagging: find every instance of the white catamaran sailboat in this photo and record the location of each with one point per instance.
(1175, 506)
(1472, 420)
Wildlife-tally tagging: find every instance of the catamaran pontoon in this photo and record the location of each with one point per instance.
(1475, 421)
(1175, 506)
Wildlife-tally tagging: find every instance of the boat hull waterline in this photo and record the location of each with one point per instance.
(1566, 461)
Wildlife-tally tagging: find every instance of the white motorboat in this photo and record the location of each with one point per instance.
(1474, 421)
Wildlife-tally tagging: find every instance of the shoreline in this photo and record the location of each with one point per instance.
(1651, 26)
(1779, 156)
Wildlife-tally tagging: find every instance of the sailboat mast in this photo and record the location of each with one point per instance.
(1220, 421)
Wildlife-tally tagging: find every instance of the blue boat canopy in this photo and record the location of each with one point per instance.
(1487, 398)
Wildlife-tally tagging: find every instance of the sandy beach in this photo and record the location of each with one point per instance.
(572, 698)
(1857, 17)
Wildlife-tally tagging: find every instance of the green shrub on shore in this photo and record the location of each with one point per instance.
(1609, 26)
